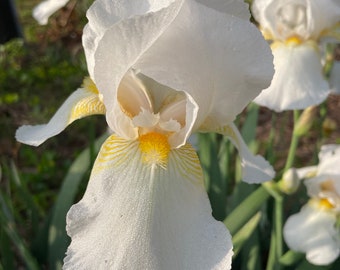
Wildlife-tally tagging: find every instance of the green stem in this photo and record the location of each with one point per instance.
(272, 252)
(246, 210)
(293, 144)
(278, 229)
(276, 243)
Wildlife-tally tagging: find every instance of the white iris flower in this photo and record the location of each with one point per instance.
(296, 29)
(160, 70)
(314, 230)
(46, 8)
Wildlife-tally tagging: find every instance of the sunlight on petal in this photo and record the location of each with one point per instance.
(80, 104)
(145, 217)
(298, 81)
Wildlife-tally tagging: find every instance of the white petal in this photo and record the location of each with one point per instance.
(105, 13)
(298, 81)
(259, 9)
(306, 172)
(46, 8)
(219, 59)
(185, 106)
(78, 105)
(313, 232)
(318, 17)
(232, 7)
(138, 216)
(329, 157)
(121, 46)
(255, 169)
(132, 95)
(323, 15)
(145, 119)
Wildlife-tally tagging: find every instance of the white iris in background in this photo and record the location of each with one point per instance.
(160, 70)
(46, 8)
(296, 29)
(314, 230)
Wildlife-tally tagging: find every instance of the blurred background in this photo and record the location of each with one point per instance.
(40, 66)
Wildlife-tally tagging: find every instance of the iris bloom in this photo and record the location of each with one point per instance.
(46, 8)
(159, 71)
(314, 230)
(296, 29)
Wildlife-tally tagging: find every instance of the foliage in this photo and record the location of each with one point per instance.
(37, 186)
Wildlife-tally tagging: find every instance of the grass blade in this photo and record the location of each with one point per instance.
(8, 225)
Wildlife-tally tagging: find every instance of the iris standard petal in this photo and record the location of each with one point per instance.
(264, 15)
(46, 8)
(313, 232)
(105, 13)
(298, 81)
(228, 66)
(142, 216)
(255, 169)
(324, 16)
(112, 62)
(81, 103)
(307, 19)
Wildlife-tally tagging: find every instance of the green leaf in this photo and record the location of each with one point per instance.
(7, 254)
(241, 237)
(8, 225)
(26, 197)
(246, 210)
(215, 184)
(58, 240)
(251, 253)
(248, 130)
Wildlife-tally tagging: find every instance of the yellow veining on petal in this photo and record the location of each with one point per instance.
(88, 84)
(186, 163)
(87, 106)
(155, 148)
(90, 104)
(115, 149)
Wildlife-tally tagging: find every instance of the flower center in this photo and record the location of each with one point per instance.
(294, 40)
(155, 148)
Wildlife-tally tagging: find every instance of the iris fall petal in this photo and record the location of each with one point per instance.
(81, 103)
(313, 232)
(255, 169)
(141, 216)
(298, 81)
